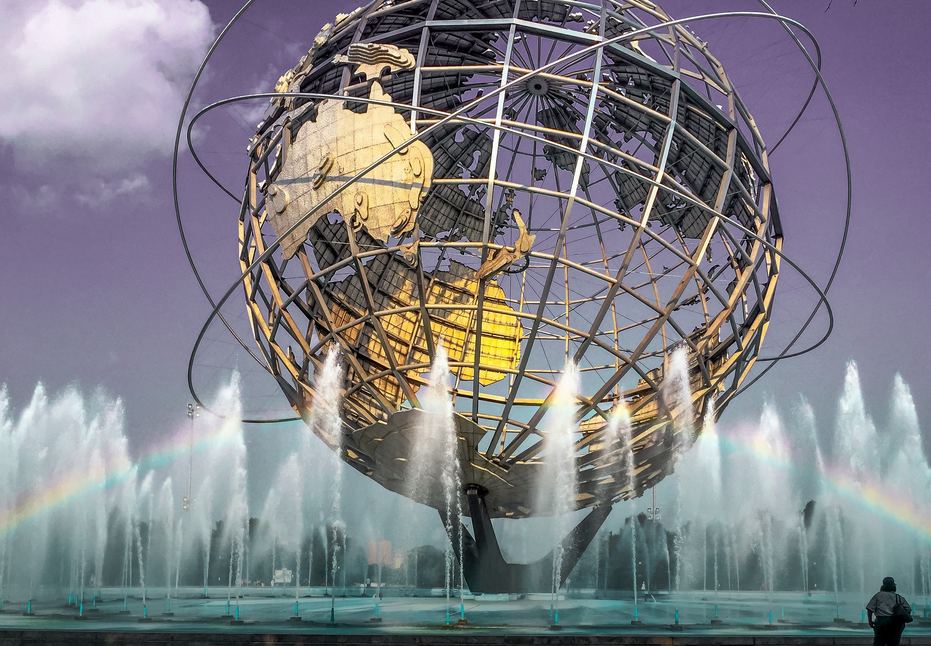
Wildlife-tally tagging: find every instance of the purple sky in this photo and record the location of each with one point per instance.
(97, 292)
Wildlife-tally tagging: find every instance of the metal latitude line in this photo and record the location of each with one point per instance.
(350, 356)
(423, 295)
(210, 176)
(626, 171)
(728, 14)
(775, 249)
(375, 320)
(684, 196)
(612, 291)
(714, 382)
(615, 378)
(647, 211)
(578, 54)
(821, 80)
(560, 241)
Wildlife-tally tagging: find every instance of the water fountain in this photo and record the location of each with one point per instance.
(166, 512)
(676, 397)
(558, 488)
(326, 418)
(283, 516)
(619, 432)
(437, 446)
(802, 535)
(818, 522)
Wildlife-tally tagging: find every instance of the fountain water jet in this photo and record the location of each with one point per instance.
(619, 432)
(327, 421)
(437, 437)
(676, 398)
(166, 510)
(559, 486)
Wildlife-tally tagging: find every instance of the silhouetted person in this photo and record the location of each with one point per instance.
(887, 628)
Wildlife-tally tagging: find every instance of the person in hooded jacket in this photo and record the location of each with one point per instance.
(886, 624)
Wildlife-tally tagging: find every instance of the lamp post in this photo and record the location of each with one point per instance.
(653, 512)
(653, 515)
(192, 412)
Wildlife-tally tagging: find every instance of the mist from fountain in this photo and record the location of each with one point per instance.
(832, 520)
(100, 524)
(437, 449)
(676, 401)
(201, 518)
(328, 424)
(559, 485)
(619, 433)
(145, 496)
(283, 516)
(166, 514)
(127, 509)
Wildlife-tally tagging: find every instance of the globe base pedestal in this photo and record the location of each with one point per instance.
(484, 567)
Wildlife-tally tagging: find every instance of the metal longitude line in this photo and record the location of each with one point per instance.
(612, 291)
(541, 308)
(486, 227)
(782, 20)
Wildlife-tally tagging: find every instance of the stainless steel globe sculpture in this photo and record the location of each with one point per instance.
(485, 176)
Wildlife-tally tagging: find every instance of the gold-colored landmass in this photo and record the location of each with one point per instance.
(455, 326)
(328, 151)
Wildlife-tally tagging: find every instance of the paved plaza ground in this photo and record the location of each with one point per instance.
(741, 619)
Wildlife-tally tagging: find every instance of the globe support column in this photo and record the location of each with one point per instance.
(483, 565)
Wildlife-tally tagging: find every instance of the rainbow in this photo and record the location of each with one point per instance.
(76, 484)
(873, 495)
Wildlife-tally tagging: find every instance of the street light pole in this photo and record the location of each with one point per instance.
(653, 512)
(192, 412)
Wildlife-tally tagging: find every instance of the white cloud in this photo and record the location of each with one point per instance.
(97, 82)
(100, 192)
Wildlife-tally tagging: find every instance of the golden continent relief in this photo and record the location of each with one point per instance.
(327, 152)
(454, 326)
(324, 155)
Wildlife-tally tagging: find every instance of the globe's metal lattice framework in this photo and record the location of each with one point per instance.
(606, 209)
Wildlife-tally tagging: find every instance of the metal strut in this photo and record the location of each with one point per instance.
(484, 567)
